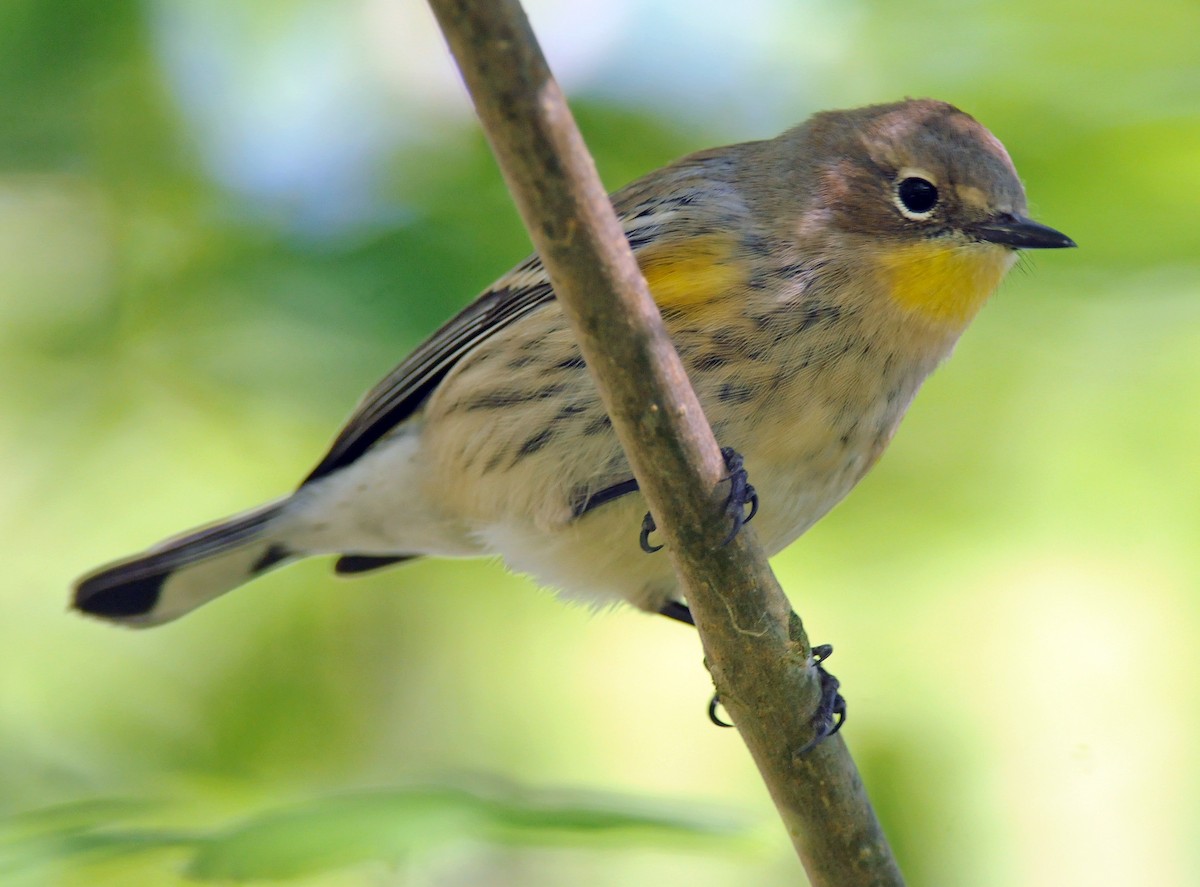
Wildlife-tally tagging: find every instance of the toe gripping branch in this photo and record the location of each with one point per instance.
(831, 707)
(830, 713)
(741, 494)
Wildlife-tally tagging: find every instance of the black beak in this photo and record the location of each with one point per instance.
(1019, 233)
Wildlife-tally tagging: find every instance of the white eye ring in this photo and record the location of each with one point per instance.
(916, 194)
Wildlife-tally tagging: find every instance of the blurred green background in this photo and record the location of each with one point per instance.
(221, 222)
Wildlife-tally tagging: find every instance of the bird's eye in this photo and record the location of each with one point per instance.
(917, 197)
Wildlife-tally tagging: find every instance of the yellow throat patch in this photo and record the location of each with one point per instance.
(944, 284)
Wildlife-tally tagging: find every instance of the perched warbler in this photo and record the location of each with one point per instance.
(810, 283)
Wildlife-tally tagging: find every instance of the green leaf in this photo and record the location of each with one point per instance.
(390, 826)
(40, 837)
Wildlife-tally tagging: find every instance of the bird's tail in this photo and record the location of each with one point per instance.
(178, 575)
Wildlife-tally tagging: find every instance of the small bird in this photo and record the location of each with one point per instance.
(810, 283)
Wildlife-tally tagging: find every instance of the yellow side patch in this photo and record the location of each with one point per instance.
(945, 284)
(692, 274)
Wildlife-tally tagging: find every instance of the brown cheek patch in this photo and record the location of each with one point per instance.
(836, 181)
(850, 192)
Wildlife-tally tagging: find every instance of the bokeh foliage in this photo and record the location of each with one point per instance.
(220, 223)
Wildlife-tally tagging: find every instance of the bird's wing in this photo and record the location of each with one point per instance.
(650, 211)
(405, 388)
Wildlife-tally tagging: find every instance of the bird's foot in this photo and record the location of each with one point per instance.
(741, 494)
(831, 708)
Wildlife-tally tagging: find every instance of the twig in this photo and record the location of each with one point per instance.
(755, 647)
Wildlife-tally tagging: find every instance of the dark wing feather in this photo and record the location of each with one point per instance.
(643, 211)
(403, 391)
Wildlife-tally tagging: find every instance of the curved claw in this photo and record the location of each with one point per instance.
(831, 709)
(839, 709)
(712, 712)
(752, 498)
(648, 527)
(741, 493)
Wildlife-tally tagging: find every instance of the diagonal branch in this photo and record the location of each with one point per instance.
(755, 647)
